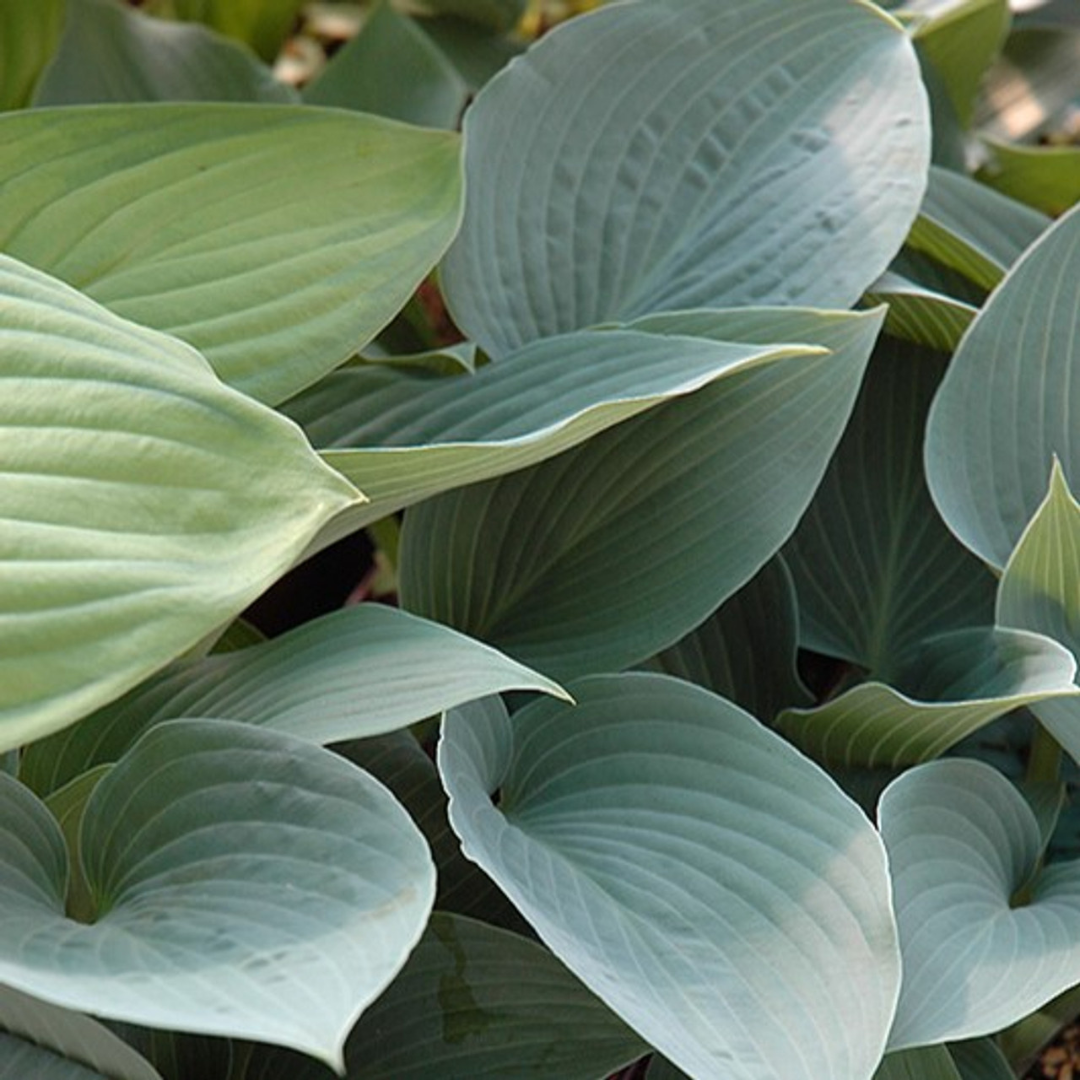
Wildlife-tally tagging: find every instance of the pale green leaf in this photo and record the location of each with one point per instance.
(875, 569)
(367, 74)
(68, 805)
(745, 651)
(111, 52)
(762, 154)
(945, 689)
(978, 953)
(39, 1041)
(698, 874)
(476, 1003)
(960, 39)
(143, 502)
(29, 32)
(245, 883)
(361, 671)
(638, 535)
(976, 231)
(1009, 400)
(1045, 177)
(407, 436)
(191, 219)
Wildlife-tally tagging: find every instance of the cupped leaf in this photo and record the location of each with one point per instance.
(476, 1002)
(1008, 402)
(361, 671)
(945, 689)
(143, 502)
(366, 74)
(762, 154)
(29, 32)
(416, 435)
(875, 569)
(986, 936)
(697, 873)
(245, 882)
(976, 231)
(110, 52)
(745, 651)
(639, 534)
(44, 1042)
(191, 219)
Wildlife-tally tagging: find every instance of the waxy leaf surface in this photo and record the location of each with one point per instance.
(683, 154)
(245, 883)
(694, 871)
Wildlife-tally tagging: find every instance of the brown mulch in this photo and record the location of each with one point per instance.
(1061, 1059)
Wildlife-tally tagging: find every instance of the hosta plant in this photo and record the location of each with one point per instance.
(709, 434)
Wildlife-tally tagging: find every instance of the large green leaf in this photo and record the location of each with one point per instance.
(110, 52)
(875, 569)
(29, 32)
(980, 1059)
(39, 1041)
(476, 1002)
(745, 651)
(246, 883)
(143, 502)
(192, 219)
(638, 535)
(971, 229)
(1009, 400)
(362, 671)
(943, 690)
(986, 936)
(924, 1063)
(366, 74)
(1040, 591)
(418, 435)
(697, 873)
(682, 153)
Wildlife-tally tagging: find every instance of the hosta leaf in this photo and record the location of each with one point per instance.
(921, 315)
(1046, 177)
(971, 229)
(420, 435)
(152, 210)
(497, 14)
(978, 953)
(476, 1002)
(143, 502)
(745, 651)
(980, 1059)
(699, 875)
(875, 569)
(29, 32)
(1007, 402)
(1040, 591)
(762, 155)
(43, 1042)
(638, 535)
(946, 688)
(262, 24)
(960, 39)
(110, 52)
(365, 74)
(246, 883)
(361, 671)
